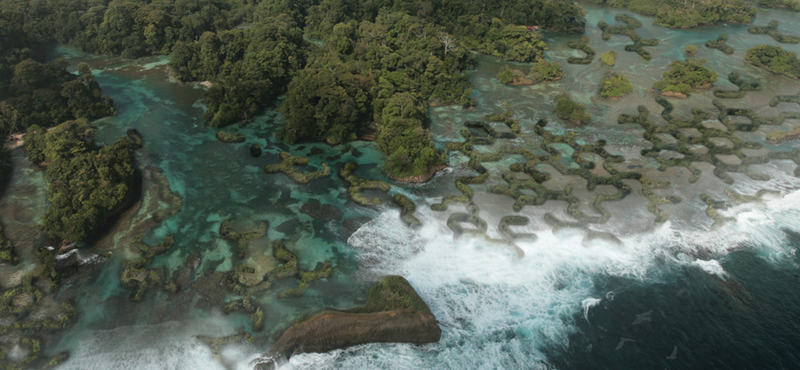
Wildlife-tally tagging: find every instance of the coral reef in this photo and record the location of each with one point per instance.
(357, 185)
(136, 275)
(720, 44)
(772, 30)
(743, 85)
(287, 168)
(241, 240)
(629, 29)
(582, 45)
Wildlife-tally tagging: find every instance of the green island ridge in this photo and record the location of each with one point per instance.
(629, 29)
(614, 85)
(772, 30)
(781, 4)
(88, 183)
(684, 76)
(774, 59)
(720, 44)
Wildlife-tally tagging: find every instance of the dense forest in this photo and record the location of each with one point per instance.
(775, 59)
(253, 51)
(342, 63)
(86, 182)
(688, 13)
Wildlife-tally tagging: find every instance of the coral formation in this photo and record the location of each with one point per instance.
(287, 168)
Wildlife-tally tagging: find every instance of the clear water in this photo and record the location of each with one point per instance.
(725, 298)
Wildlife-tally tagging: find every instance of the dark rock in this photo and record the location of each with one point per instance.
(183, 276)
(288, 227)
(394, 313)
(317, 151)
(321, 212)
(353, 224)
(255, 150)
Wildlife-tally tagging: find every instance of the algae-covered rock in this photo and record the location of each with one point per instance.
(227, 137)
(407, 209)
(255, 150)
(357, 185)
(393, 313)
(287, 168)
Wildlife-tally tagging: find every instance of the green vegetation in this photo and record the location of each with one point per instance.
(7, 254)
(541, 71)
(609, 58)
(287, 168)
(683, 76)
(47, 95)
(720, 44)
(629, 29)
(614, 85)
(582, 45)
(571, 111)
(690, 49)
(407, 144)
(774, 59)
(688, 13)
(772, 30)
(467, 19)
(87, 183)
(743, 85)
(784, 99)
(490, 36)
(544, 70)
(392, 293)
(781, 4)
(508, 75)
(248, 68)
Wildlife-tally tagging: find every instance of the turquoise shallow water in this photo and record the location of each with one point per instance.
(565, 305)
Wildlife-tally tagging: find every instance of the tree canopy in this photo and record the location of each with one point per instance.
(86, 182)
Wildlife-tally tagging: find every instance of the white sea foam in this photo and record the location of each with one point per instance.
(712, 267)
(495, 310)
(170, 345)
(587, 304)
(499, 312)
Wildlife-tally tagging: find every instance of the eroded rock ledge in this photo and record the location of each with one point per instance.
(394, 313)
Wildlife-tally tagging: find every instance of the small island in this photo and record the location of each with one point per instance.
(571, 111)
(393, 313)
(614, 85)
(774, 59)
(541, 71)
(684, 76)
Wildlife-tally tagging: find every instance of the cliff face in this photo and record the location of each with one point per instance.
(394, 313)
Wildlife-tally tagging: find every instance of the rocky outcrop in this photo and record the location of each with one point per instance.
(394, 313)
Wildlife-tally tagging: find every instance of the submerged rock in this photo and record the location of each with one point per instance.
(394, 313)
(321, 212)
